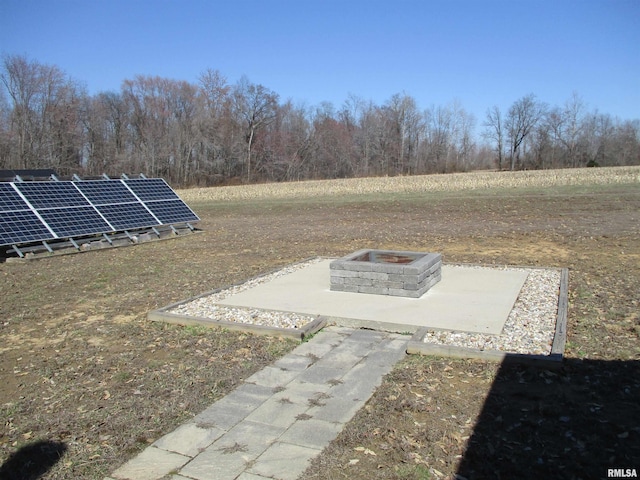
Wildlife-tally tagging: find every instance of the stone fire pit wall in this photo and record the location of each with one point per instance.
(386, 272)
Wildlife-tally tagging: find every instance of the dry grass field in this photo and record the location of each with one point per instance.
(86, 381)
(454, 182)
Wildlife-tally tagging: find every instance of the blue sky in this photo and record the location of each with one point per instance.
(479, 53)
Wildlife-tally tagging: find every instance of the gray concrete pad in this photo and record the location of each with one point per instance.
(468, 299)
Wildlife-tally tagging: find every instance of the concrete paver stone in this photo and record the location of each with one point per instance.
(301, 392)
(231, 454)
(318, 347)
(189, 439)
(151, 464)
(272, 377)
(311, 433)
(320, 375)
(336, 410)
(294, 363)
(277, 412)
(284, 461)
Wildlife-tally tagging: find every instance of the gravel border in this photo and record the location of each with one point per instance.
(531, 324)
(529, 329)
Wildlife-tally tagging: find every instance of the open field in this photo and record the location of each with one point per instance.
(419, 184)
(84, 372)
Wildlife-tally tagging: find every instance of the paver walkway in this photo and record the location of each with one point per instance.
(279, 418)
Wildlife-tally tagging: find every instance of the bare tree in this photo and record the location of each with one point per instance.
(627, 143)
(439, 137)
(462, 136)
(361, 120)
(256, 105)
(212, 132)
(44, 114)
(332, 144)
(522, 118)
(598, 136)
(494, 132)
(221, 135)
(573, 121)
(215, 90)
(5, 131)
(148, 116)
(404, 124)
(64, 129)
(289, 144)
(566, 125)
(21, 80)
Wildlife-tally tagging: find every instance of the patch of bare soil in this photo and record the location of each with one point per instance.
(86, 381)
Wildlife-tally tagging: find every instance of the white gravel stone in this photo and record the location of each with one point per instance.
(530, 327)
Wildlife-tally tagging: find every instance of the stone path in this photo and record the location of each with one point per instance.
(279, 418)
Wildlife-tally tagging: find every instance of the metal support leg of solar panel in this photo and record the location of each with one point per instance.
(48, 215)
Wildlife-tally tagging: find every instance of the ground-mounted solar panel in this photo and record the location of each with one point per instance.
(128, 216)
(10, 200)
(105, 192)
(172, 211)
(149, 189)
(51, 194)
(22, 227)
(43, 211)
(75, 221)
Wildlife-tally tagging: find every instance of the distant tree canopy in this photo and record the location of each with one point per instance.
(214, 132)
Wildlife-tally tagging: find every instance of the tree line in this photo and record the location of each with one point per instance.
(214, 132)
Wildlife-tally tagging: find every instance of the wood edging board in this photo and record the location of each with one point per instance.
(295, 333)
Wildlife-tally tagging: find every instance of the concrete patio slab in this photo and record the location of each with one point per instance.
(467, 299)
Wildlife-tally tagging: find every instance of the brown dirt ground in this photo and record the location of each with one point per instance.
(86, 381)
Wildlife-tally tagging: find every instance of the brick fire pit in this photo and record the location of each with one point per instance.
(386, 272)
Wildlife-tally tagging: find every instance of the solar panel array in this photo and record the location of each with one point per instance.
(45, 211)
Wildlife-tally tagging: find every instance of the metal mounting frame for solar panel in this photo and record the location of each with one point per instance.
(32, 212)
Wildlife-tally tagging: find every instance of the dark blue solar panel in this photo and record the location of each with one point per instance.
(72, 209)
(172, 211)
(10, 200)
(102, 192)
(75, 221)
(51, 194)
(22, 227)
(128, 216)
(148, 189)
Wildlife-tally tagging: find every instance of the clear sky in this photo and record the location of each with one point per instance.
(480, 53)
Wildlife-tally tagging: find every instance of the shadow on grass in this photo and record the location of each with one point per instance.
(32, 461)
(576, 422)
